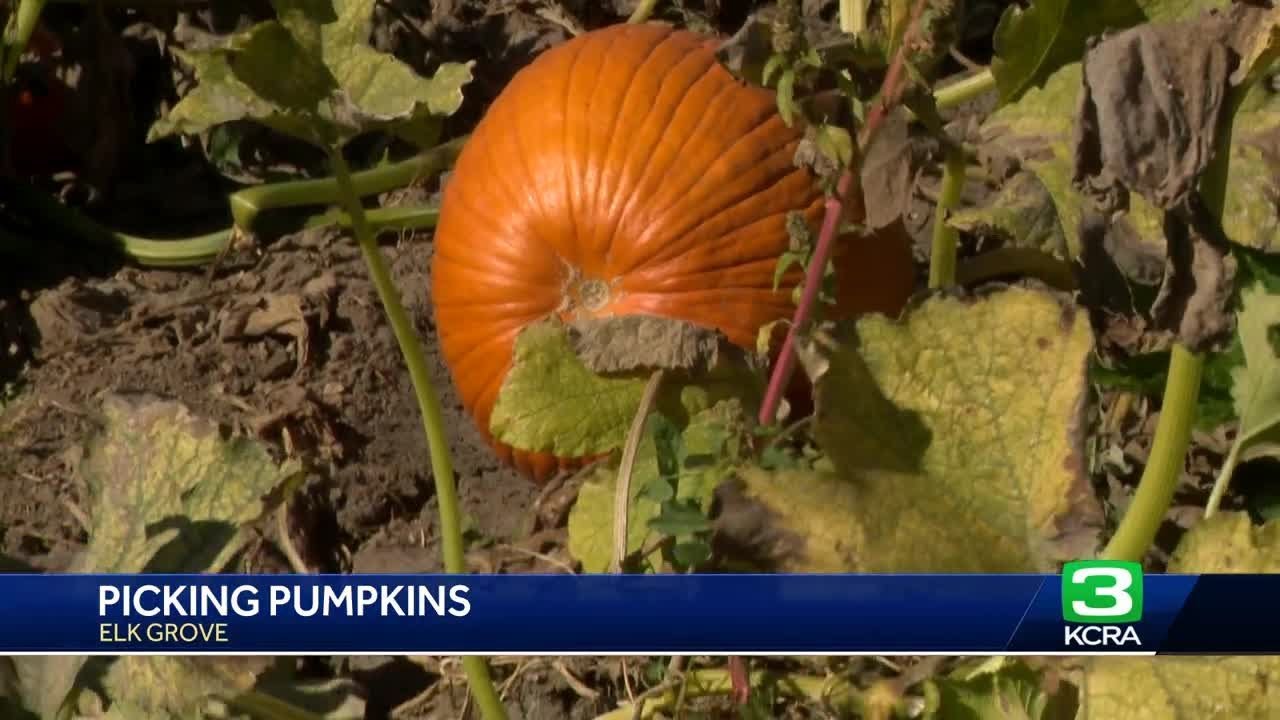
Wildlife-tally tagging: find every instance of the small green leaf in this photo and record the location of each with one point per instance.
(786, 96)
(691, 554)
(1256, 383)
(680, 519)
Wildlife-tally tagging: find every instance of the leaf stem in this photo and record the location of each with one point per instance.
(942, 258)
(962, 91)
(622, 493)
(642, 12)
(248, 203)
(477, 671)
(1146, 512)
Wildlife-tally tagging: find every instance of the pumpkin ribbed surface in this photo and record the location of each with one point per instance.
(623, 172)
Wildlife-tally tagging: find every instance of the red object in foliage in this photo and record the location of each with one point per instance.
(37, 104)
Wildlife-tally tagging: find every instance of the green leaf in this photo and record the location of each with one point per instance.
(257, 55)
(336, 86)
(691, 554)
(551, 401)
(1034, 42)
(680, 519)
(1219, 688)
(956, 438)
(707, 435)
(167, 493)
(220, 97)
(1256, 383)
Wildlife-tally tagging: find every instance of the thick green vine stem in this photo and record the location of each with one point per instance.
(22, 23)
(643, 10)
(962, 91)
(853, 16)
(247, 204)
(1142, 520)
(942, 258)
(477, 670)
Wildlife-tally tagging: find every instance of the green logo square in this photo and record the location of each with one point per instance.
(1102, 591)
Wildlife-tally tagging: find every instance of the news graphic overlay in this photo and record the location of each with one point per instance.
(1101, 601)
(1091, 608)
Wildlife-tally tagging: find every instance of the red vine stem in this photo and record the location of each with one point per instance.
(891, 92)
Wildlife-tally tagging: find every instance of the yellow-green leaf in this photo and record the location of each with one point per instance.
(957, 442)
(336, 85)
(551, 401)
(168, 492)
(1226, 688)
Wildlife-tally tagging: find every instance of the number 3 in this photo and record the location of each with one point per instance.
(1117, 591)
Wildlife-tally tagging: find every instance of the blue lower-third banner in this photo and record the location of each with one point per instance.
(1093, 607)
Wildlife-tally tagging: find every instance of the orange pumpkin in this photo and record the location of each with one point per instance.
(627, 172)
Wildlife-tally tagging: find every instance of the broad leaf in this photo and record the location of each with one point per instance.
(552, 401)
(336, 86)
(957, 444)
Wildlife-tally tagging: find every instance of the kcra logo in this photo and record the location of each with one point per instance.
(1101, 597)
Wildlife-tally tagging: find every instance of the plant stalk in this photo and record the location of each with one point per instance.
(644, 9)
(187, 252)
(248, 203)
(853, 16)
(1146, 512)
(477, 670)
(946, 239)
(962, 91)
(17, 34)
(890, 96)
